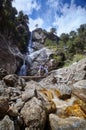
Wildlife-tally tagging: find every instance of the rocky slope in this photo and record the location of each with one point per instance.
(57, 102)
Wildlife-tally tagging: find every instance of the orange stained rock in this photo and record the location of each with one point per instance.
(47, 93)
(75, 110)
(51, 107)
(56, 92)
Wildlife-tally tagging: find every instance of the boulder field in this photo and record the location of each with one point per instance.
(57, 102)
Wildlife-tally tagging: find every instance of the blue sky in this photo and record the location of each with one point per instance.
(64, 15)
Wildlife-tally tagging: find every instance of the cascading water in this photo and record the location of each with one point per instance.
(30, 45)
(23, 69)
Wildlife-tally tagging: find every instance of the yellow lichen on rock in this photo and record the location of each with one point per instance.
(75, 110)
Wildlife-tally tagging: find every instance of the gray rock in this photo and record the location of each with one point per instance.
(28, 95)
(19, 104)
(3, 89)
(80, 84)
(71, 123)
(37, 45)
(6, 124)
(14, 81)
(9, 58)
(39, 35)
(39, 57)
(33, 114)
(11, 80)
(4, 106)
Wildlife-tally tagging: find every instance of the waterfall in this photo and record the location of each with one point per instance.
(30, 45)
(23, 69)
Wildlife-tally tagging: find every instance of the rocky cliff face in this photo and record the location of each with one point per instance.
(40, 36)
(10, 56)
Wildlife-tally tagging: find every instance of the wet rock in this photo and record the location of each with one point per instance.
(46, 97)
(71, 123)
(33, 114)
(4, 106)
(75, 110)
(6, 124)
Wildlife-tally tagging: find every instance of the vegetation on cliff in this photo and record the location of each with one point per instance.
(13, 25)
(72, 45)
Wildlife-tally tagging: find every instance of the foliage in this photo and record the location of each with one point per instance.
(50, 44)
(13, 25)
(78, 57)
(53, 30)
(73, 45)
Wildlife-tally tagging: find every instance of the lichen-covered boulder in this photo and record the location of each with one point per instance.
(34, 114)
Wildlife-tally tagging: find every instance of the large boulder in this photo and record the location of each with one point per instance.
(38, 58)
(33, 114)
(39, 35)
(71, 123)
(13, 80)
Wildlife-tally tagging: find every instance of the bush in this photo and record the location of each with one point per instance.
(78, 57)
(50, 44)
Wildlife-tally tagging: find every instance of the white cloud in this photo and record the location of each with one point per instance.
(27, 6)
(64, 17)
(32, 23)
(72, 17)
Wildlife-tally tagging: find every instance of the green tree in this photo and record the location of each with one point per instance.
(53, 30)
(64, 37)
(72, 35)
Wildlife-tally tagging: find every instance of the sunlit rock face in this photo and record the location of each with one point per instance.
(39, 35)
